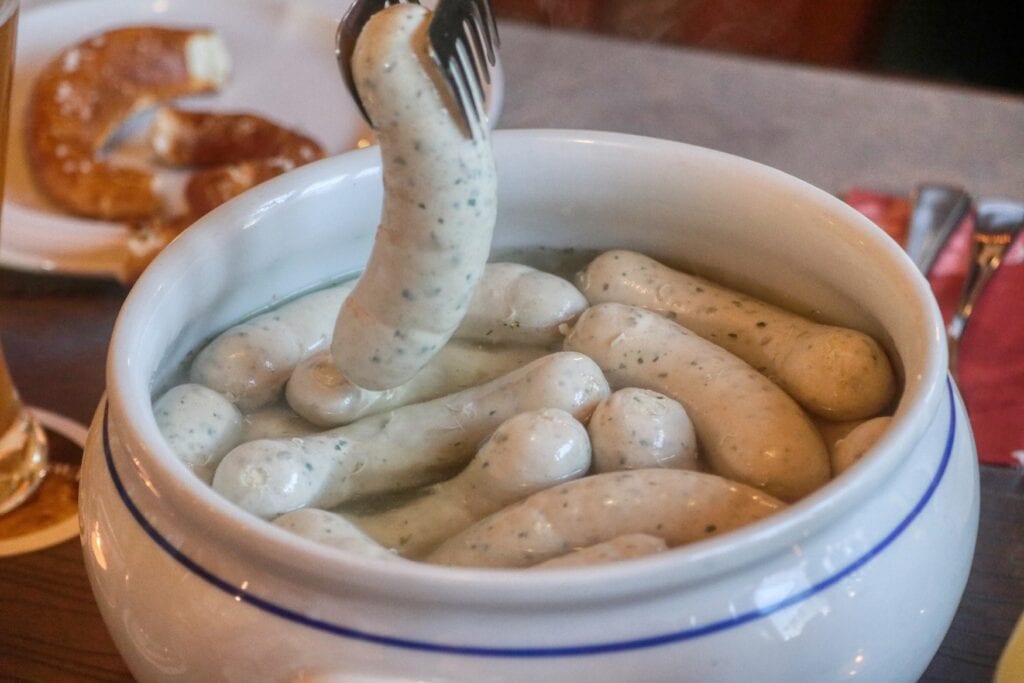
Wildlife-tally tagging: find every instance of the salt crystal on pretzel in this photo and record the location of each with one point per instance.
(85, 94)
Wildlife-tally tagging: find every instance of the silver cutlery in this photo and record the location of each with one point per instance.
(937, 210)
(997, 224)
(463, 41)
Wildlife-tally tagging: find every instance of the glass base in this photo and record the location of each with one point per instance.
(23, 459)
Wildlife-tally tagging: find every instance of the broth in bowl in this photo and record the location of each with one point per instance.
(450, 466)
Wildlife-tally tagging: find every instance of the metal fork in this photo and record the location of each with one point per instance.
(997, 224)
(463, 42)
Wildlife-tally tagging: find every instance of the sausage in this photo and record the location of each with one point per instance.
(404, 448)
(637, 428)
(275, 422)
(625, 547)
(250, 362)
(749, 429)
(318, 391)
(831, 431)
(679, 506)
(438, 213)
(849, 449)
(517, 304)
(199, 425)
(333, 530)
(834, 372)
(527, 453)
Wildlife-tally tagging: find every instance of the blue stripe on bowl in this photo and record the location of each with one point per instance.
(532, 652)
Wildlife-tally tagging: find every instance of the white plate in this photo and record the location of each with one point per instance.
(283, 67)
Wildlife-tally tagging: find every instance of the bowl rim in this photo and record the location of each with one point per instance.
(221, 522)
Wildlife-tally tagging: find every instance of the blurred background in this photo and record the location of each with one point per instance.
(975, 43)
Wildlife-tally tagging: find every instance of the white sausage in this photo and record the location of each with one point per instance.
(318, 391)
(250, 362)
(849, 449)
(625, 547)
(333, 530)
(748, 428)
(834, 372)
(637, 428)
(831, 431)
(517, 304)
(199, 425)
(679, 506)
(275, 422)
(527, 453)
(402, 449)
(438, 213)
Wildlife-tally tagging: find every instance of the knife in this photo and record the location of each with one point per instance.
(937, 210)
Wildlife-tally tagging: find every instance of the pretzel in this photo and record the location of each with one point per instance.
(84, 94)
(242, 149)
(208, 188)
(180, 137)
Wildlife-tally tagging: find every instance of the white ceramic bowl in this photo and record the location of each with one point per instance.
(859, 579)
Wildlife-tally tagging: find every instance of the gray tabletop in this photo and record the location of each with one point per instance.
(833, 129)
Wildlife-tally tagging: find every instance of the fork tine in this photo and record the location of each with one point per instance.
(473, 29)
(476, 91)
(489, 27)
(469, 48)
(458, 75)
(465, 25)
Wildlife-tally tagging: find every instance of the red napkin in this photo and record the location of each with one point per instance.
(992, 350)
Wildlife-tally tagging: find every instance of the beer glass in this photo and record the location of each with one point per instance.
(22, 443)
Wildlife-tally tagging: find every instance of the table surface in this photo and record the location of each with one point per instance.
(835, 130)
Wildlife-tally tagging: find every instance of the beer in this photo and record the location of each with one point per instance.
(8, 30)
(22, 443)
